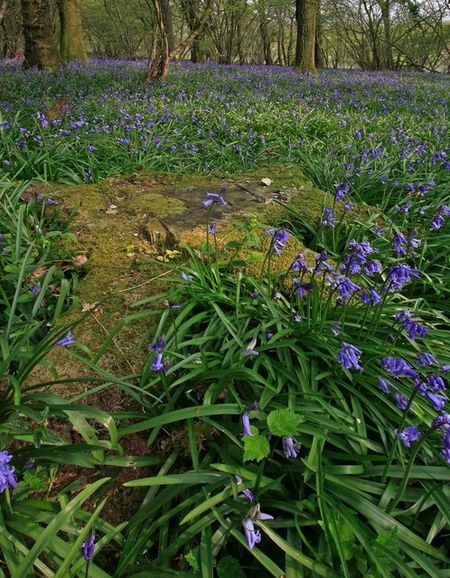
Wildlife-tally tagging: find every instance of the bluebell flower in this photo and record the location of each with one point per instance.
(349, 356)
(158, 364)
(446, 446)
(328, 219)
(399, 244)
(372, 268)
(385, 385)
(88, 547)
(408, 435)
(252, 535)
(290, 447)
(250, 349)
(299, 264)
(336, 328)
(159, 345)
(187, 278)
(372, 298)
(36, 290)
(438, 401)
(212, 228)
(7, 476)
(344, 286)
(340, 190)
(297, 317)
(401, 401)
(213, 198)
(436, 382)
(425, 359)
(246, 493)
(246, 424)
(398, 367)
(401, 274)
(303, 289)
(279, 239)
(68, 339)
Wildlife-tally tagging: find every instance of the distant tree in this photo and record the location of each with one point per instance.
(71, 40)
(307, 12)
(160, 54)
(40, 47)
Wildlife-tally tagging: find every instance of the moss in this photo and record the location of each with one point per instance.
(117, 224)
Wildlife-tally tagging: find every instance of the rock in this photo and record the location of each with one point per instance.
(266, 182)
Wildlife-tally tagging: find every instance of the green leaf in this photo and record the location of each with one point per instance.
(283, 422)
(256, 448)
(229, 567)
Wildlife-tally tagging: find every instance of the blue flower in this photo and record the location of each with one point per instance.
(401, 401)
(372, 298)
(349, 356)
(437, 401)
(385, 385)
(446, 446)
(187, 278)
(408, 435)
(279, 239)
(246, 424)
(159, 345)
(7, 477)
(398, 367)
(88, 547)
(340, 190)
(250, 349)
(68, 339)
(246, 493)
(435, 382)
(328, 219)
(36, 290)
(158, 364)
(290, 447)
(213, 198)
(252, 536)
(401, 274)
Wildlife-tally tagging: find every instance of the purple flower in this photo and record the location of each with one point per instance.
(385, 385)
(279, 239)
(446, 446)
(372, 268)
(300, 264)
(7, 477)
(250, 349)
(348, 207)
(424, 359)
(88, 547)
(303, 289)
(398, 367)
(437, 401)
(408, 435)
(435, 382)
(349, 356)
(340, 190)
(401, 274)
(246, 424)
(68, 339)
(159, 345)
(187, 278)
(158, 364)
(344, 286)
(36, 290)
(290, 447)
(251, 535)
(328, 217)
(246, 493)
(401, 401)
(399, 244)
(212, 228)
(437, 222)
(213, 198)
(297, 317)
(372, 298)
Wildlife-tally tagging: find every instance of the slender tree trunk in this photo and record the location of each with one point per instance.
(388, 60)
(3, 9)
(306, 15)
(318, 50)
(71, 41)
(168, 23)
(40, 47)
(264, 30)
(159, 65)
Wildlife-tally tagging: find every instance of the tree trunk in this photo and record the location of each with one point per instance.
(71, 40)
(306, 15)
(387, 41)
(40, 47)
(168, 23)
(264, 30)
(159, 64)
(318, 50)
(191, 13)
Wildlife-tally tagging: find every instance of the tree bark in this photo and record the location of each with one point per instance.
(40, 47)
(318, 50)
(264, 30)
(168, 23)
(306, 15)
(71, 40)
